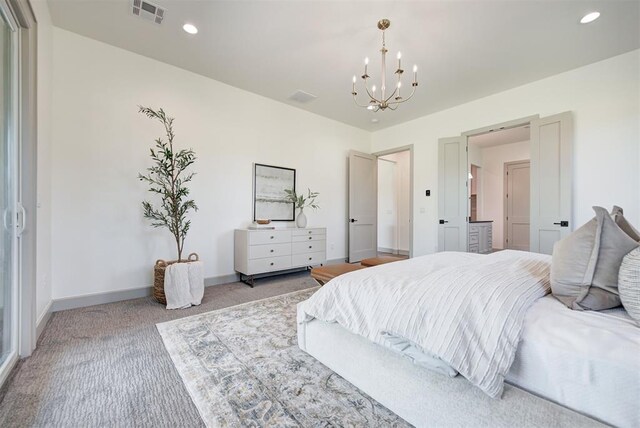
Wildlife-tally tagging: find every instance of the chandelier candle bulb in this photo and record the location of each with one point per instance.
(399, 59)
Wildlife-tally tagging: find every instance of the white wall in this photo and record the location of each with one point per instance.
(605, 100)
(44, 111)
(101, 242)
(491, 192)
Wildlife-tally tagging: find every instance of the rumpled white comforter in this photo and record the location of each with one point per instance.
(467, 309)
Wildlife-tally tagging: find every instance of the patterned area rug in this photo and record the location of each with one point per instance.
(242, 367)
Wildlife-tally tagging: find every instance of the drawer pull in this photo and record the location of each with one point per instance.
(311, 237)
(271, 251)
(271, 263)
(272, 237)
(310, 258)
(310, 246)
(309, 232)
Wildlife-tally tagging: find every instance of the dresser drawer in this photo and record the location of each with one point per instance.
(308, 247)
(306, 232)
(474, 248)
(308, 259)
(269, 250)
(308, 238)
(269, 264)
(473, 228)
(269, 237)
(473, 238)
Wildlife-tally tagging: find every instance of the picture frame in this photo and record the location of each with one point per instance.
(269, 197)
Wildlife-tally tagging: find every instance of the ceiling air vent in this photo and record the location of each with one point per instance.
(148, 11)
(302, 97)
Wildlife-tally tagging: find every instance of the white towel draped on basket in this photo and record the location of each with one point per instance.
(184, 285)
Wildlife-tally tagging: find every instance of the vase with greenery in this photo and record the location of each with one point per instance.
(301, 202)
(167, 178)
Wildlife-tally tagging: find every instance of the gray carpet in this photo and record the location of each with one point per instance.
(106, 365)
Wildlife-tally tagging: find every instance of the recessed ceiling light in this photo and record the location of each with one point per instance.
(190, 28)
(374, 120)
(590, 17)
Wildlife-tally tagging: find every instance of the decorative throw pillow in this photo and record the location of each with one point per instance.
(615, 244)
(629, 284)
(585, 264)
(618, 217)
(574, 262)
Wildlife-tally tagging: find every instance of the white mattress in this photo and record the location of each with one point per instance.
(588, 361)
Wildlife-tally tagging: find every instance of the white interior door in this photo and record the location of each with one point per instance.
(363, 205)
(517, 202)
(452, 194)
(551, 172)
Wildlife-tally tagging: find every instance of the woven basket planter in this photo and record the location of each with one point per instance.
(158, 276)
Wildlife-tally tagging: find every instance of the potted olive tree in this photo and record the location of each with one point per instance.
(167, 178)
(301, 202)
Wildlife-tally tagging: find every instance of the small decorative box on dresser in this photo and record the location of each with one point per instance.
(265, 251)
(480, 237)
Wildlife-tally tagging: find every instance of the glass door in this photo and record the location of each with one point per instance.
(8, 192)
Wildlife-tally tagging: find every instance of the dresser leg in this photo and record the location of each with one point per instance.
(247, 280)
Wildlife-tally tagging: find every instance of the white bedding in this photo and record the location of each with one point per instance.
(467, 309)
(588, 361)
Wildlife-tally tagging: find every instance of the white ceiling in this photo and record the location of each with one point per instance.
(500, 137)
(464, 49)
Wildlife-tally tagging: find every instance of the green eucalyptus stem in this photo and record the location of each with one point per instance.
(301, 201)
(167, 177)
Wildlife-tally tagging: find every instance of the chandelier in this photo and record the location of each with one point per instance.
(384, 102)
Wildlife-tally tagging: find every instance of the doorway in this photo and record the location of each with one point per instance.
(550, 172)
(394, 180)
(389, 172)
(494, 155)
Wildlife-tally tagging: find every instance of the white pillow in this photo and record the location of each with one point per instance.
(629, 284)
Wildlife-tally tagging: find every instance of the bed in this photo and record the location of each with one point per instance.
(588, 362)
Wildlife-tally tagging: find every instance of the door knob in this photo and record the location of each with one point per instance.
(563, 223)
(353, 220)
(443, 221)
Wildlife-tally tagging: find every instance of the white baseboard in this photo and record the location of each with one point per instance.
(44, 319)
(74, 302)
(117, 296)
(393, 251)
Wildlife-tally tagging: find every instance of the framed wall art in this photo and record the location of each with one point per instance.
(269, 197)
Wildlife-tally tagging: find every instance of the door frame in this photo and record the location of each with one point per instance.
(409, 148)
(504, 198)
(515, 123)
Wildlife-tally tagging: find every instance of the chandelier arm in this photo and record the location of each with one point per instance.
(391, 96)
(366, 88)
(358, 104)
(405, 99)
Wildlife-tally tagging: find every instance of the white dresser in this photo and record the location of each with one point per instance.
(263, 251)
(480, 237)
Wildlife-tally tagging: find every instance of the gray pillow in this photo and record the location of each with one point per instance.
(585, 264)
(618, 217)
(574, 262)
(614, 245)
(629, 283)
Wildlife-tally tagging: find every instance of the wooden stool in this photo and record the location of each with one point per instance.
(324, 274)
(375, 261)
